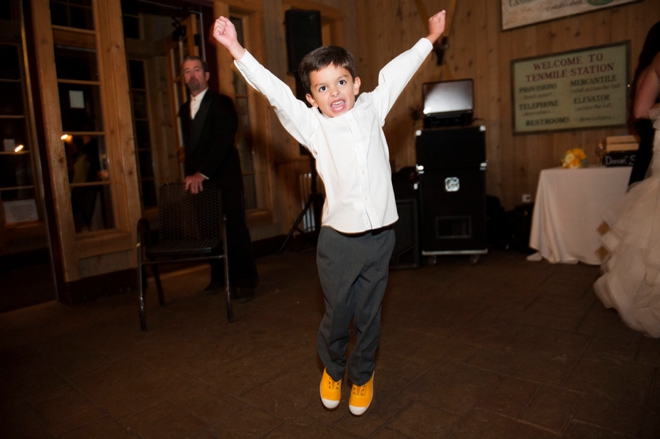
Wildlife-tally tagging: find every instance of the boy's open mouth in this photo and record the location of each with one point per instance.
(338, 105)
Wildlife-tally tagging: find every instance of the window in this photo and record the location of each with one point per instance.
(178, 47)
(143, 146)
(79, 88)
(243, 135)
(130, 19)
(6, 11)
(17, 190)
(72, 13)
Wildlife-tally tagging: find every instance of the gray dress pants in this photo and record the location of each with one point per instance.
(353, 270)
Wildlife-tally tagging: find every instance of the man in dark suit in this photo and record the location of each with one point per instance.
(209, 123)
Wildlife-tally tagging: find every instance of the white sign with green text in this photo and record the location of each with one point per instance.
(579, 89)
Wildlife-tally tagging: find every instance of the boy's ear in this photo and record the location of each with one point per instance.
(356, 85)
(311, 100)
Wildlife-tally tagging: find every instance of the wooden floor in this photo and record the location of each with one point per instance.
(502, 349)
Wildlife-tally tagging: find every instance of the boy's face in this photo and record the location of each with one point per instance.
(333, 90)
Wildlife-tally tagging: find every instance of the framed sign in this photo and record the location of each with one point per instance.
(18, 211)
(579, 89)
(516, 13)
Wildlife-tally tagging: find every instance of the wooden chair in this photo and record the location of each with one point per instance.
(191, 228)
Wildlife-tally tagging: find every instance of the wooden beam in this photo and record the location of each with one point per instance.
(449, 21)
(423, 13)
(441, 44)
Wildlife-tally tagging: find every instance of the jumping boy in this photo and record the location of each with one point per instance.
(345, 136)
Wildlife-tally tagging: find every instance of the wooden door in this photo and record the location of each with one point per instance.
(83, 85)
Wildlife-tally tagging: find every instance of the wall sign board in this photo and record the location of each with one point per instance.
(579, 89)
(18, 211)
(516, 13)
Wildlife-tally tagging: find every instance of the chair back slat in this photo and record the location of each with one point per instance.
(184, 216)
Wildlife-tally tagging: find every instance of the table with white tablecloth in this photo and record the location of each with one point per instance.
(567, 225)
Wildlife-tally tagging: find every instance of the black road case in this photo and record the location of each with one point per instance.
(451, 163)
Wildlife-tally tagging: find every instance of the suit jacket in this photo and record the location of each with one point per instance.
(209, 144)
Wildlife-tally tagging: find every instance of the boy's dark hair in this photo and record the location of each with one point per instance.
(323, 57)
(196, 58)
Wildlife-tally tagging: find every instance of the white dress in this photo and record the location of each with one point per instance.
(631, 273)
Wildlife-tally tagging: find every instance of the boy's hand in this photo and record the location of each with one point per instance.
(225, 33)
(436, 26)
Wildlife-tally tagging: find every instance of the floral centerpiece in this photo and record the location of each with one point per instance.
(574, 158)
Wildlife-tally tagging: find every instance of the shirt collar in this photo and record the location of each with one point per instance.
(200, 96)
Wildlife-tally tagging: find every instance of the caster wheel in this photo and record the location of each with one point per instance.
(474, 259)
(433, 260)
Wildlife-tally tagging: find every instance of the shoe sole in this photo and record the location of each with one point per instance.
(330, 403)
(359, 411)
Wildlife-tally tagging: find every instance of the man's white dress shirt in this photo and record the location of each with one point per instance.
(195, 101)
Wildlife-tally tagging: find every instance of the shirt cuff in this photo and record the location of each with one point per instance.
(424, 46)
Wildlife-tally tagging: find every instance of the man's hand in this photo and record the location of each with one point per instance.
(225, 33)
(194, 183)
(436, 26)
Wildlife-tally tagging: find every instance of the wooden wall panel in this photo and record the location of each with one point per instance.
(284, 155)
(478, 49)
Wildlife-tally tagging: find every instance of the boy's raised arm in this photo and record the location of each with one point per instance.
(225, 33)
(436, 26)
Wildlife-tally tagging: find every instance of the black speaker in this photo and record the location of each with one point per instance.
(453, 211)
(406, 249)
(452, 190)
(303, 34)
(450, 148)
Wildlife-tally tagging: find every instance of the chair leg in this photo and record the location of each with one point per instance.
(143, 231)
(159, 286)
(141, 283)
(225, 245)
(230, 312)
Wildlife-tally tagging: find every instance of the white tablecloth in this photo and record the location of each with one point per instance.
(567, 224)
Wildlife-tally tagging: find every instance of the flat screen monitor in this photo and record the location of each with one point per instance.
(448, 97)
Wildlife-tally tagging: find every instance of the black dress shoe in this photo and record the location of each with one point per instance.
(214, 287)
(242, 294)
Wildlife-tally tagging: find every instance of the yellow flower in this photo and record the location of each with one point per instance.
(579, 153)
(574, 158)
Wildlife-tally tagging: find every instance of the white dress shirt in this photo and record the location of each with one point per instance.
(352, 157)
(195, 101)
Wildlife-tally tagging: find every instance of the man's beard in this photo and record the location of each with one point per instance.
(194, 85)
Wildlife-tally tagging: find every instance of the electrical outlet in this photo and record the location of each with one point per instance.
(526, 198)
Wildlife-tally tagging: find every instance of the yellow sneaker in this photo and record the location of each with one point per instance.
(361, 397)
(330, 391)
